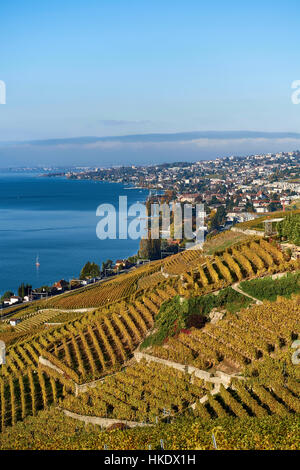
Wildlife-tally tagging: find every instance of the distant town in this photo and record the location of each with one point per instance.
(232, 189)
(255, 184)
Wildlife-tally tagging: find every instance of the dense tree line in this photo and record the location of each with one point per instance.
(24, 289)
(290, 228)
(269, 288)
(90, 270)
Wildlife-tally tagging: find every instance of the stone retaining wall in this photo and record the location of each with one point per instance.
(218, 378)
(258, 233)
(103, 422)
(49, 364)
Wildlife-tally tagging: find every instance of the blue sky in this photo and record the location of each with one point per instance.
(108, 68)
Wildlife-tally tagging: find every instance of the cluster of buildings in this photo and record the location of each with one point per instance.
(37, 294)
(62, 285)
(254, 184)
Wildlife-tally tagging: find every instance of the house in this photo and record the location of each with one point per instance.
(15, 321)
(14, 299)
(61, 285)
(36, 294)
(188, 198)
(122, 264)
(261, 210)
(95, 279)
(119, 263)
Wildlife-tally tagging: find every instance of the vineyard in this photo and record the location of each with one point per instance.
(120, 287)
(92, 345)
(223, 241)
(248, 260)
(139, 394)
(35, 320)
(236, 340)
(148, 282)
(106, 338)
(185, 261)
(250, 342)
(123, 286)
(242, 401)
(26, 394)
(98, 296)
(53, 430)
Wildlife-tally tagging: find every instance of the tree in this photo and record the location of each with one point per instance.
(290, 228)
(150, 249)
(221, 214)
(7, 295)
(95, 270)
(108, 264)
(24, 290)
(43, 289)
(84, 273)
(214, 200)
(132, 259)
(274, 206)
(219, 218)
(90, 270)
(229, 203)
(249, 206)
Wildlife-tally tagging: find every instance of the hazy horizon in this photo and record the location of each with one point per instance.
(144, 148)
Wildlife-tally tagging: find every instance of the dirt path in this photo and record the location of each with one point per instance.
(240, 291)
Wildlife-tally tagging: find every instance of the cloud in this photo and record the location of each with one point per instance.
(116, 123)
(170, 137)
(243, 141)
(145, 148)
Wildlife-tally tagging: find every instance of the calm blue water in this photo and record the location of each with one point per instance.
(54, 218)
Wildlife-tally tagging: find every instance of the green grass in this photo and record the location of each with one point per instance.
(269, 289)
(63, 317)
(177, 314)
(224, 240)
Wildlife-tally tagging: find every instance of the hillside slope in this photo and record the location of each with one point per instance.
(238, 366)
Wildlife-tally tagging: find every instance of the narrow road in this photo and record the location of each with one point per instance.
(61, 310)
(240, 291)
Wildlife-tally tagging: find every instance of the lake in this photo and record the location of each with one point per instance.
(55, 219)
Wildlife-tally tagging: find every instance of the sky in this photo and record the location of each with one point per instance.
(118, 67)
